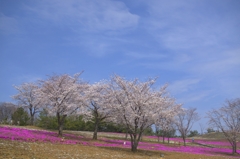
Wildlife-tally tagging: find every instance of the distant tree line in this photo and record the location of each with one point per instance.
(75, 122)
(11, 114)
(15, 115)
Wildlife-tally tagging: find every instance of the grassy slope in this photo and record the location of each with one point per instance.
(212, 136)
(15, 149)
(27, 150)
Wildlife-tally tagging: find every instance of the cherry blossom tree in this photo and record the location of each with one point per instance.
(165, 120)
(202, 127)
(27, 97)
(227, 120)
(165, 125)
(137, 104)
(63, 95)
(185, 121)
(98, 102)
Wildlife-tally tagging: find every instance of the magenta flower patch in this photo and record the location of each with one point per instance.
(26, 135)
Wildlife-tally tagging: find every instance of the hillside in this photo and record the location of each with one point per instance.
(213, 136)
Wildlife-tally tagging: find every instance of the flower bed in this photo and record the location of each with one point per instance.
(26, 135)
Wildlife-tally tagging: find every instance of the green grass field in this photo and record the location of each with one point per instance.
(213, 136)
(28, 150)
(47, 150)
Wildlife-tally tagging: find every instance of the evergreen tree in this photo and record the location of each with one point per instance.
(193, 133)
(46, 121)
(20, 117)
(74, 123)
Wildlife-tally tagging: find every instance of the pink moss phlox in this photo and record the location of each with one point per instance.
(26, 135)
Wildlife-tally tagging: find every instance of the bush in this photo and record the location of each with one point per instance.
(20, 117)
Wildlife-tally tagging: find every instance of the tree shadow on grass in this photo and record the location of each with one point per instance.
(139, 151)
(222, 153)
(204, 145)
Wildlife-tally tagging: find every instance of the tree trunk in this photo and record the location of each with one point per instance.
(158, 138)
(134, 148)
(31, 120)
(234, 148)
(31, 116)
(95, 130)
(163, 136)
(134, 142)
(126, 136)
(184, 140)
(60, 124)
(60, 129)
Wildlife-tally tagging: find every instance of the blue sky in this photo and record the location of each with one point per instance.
(193, 45)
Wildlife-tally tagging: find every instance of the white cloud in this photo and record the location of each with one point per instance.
(95, 27)
(88, 15)
(182, 86)
(169, 62)
(197, 96)
(199, 64)
(191, 25)
(229, 86)
(217, 64)
(203, 76)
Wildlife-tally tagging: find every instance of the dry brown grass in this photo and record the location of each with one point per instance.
(26, 150)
